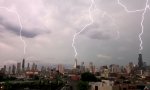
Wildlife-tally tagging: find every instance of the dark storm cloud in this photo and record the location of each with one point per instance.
(96, 31)
(99, 35)
(16, 30)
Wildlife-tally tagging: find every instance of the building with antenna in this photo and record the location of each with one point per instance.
(23, 65)
(75, 64)
(140, 61)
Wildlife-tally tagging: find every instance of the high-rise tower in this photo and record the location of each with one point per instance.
(13, 69)
(28, 67)
(18, 68)
(75, 64)
(140, 61)
(23, 64)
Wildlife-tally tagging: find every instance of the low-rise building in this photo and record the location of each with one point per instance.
(103, 85)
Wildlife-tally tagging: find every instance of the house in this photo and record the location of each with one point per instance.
(147, 87)
(103, 85)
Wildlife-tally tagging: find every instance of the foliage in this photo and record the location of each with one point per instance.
(36, 85)
(3, 78)
(82, 85)
(89, 77)
(122, 78)
(36, 77)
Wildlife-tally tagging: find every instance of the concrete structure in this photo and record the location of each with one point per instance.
(61, 68)
(4, 69)
(91, 68)
(18, 68)
(110, 85)
(31, 74)
(75, 64)
(104, 85)
(23, 65)
(82, 68)
(105, 73)
(9, 70)
(140, 61)
(28, 67)
(13, 69)
(114, 68)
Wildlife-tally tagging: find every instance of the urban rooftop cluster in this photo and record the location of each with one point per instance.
(80, 77)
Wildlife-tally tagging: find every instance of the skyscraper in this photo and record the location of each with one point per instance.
(23, 64)
(75, 64)
(82, 67)
(91, 67)
(140, 61)
(13, 69)
(18, 68)
(9, 70)
(28, 67)
(5, 69)
(33, 67)
(61, 68)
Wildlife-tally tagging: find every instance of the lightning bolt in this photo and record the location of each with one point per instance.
(18, 16)
(142, 20)
(78, 33)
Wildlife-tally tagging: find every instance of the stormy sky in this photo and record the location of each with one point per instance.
(48, 27)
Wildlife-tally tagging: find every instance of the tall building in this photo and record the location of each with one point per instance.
(91, 67)
(5, 69)
(13, 69)
(36, 67)
(61, 68)
(82, 63)
(33, 67)
(82, 67)
(18, 68)
(28, 67)
(144, 64)
(114, 68)
(43, 71)
(75, 64)
(23, 64)
(140, 61)
(130, 67)
(9, 70)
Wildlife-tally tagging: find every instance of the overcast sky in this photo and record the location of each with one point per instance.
(48, 27)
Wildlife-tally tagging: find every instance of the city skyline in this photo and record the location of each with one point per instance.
(23, 66)
(131, 76)
(48, 28)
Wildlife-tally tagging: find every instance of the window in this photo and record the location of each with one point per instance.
(96, 87)
(124, 88)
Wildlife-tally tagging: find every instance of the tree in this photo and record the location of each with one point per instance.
(122, 77)
(89, 77)
(82, 85)
(36, 77)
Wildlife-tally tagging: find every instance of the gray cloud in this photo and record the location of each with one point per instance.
(101, 31)
(64, 18)
(16, 29)
(98, 35)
